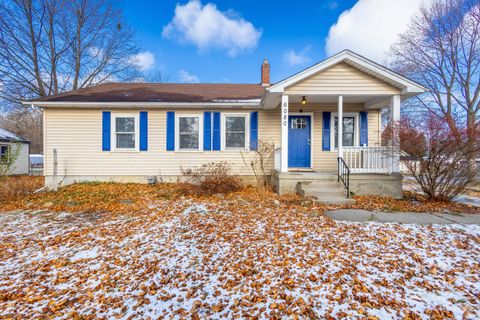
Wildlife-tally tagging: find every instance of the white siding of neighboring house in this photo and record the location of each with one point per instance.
(22, 163)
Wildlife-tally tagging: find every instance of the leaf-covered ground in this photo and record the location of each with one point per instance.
(12, 187)
(412, 202)
(151, 252)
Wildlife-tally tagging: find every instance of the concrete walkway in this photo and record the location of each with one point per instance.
(358, 215)
(470, 200)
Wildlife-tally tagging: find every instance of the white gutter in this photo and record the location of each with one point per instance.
(248, 104)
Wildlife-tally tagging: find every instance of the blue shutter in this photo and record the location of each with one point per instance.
(170, 131)
(106, 130)
(254, 130)
(363, 128)
(207, 131)
(143, 130)
(326, 131)
(216, 131)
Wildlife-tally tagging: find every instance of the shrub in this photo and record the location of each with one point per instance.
(7, 162)
(437, 159)
(263, 155)
(212, 178)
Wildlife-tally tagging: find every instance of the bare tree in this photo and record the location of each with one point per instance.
(50, 46)
(27, 123)
(155, 77)
(441, 50)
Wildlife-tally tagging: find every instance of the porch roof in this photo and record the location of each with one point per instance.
(406, 87)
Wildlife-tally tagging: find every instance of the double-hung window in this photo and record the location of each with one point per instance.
(235, 128)
(349, 135)
(126, 132)
(189, 137)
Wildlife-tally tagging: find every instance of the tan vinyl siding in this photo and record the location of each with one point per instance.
(77, 136)
(327, 160)
(341, 79)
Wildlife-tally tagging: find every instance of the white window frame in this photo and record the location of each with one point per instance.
(177, 131)
(356, 133)
(113, 129)
(224, 131)
(8, 150)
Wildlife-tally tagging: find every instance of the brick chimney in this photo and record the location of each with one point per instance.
(265, 73)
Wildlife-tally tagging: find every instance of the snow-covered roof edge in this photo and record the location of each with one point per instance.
(7, 136)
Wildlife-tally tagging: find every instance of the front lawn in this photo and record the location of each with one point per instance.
(111, 250)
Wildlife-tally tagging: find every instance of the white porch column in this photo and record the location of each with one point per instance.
(284, 124)
(395, 118)
(340, 127)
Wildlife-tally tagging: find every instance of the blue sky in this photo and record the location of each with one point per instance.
(226, 41)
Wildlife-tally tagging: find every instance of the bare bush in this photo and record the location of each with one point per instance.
(212, 178)
(261, 156)
(437, 159)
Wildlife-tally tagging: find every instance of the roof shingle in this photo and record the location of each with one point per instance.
(160, 92)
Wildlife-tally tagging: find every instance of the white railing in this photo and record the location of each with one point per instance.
(369, 159)
(277, 159)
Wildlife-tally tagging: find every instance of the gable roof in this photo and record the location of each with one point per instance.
(7, 136)
(217, 94)
(368, 66)
(161, 93)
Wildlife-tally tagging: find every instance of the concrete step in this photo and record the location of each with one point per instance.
(322, 192)
(338, 201)
(325, 191)
(323, 184)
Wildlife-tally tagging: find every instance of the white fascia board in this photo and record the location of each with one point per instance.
(408, 86)
(142, 105)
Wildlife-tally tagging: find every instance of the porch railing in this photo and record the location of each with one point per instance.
(277, 159)
(344, 174)
(369, 159)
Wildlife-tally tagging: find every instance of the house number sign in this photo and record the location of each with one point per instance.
(285, 113)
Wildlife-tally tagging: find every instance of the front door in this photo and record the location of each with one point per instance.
(299, 141)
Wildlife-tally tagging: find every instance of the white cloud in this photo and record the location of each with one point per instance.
(293, 58)
(206, 27)
(184, 76)
(144, 60)
(331, 5)
(370, 27)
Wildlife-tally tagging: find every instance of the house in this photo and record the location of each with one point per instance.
(133, 131)
(16, 149)
(36, 164)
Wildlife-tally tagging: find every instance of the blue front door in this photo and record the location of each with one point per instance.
(299, 141)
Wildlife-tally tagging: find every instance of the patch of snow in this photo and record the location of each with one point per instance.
(85, 254)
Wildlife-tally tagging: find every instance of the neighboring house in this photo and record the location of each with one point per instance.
(132, 131)
(36, 164)
(17, 146)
